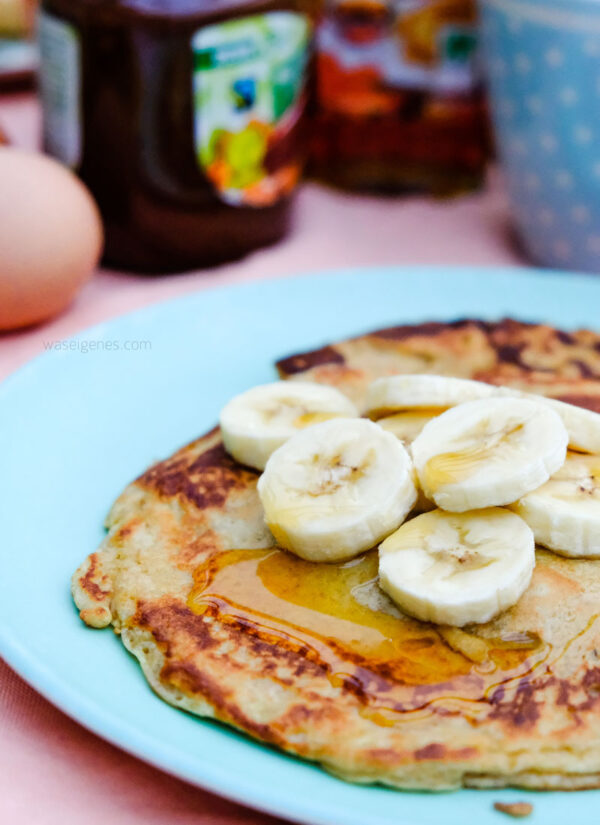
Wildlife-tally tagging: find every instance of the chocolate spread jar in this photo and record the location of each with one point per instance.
(184, 118)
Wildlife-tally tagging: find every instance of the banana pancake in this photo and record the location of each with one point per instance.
(530, 357)
(314, 658)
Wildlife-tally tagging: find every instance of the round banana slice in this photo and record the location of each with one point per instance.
(583, 425)
(336, 489)
(407, 425)
(564, 513)
(426, 392)
(454, 569)
(436, 393)
(422, 504)
(257, 422)
(488, 452)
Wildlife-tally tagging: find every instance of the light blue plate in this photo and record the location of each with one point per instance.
(81, 421)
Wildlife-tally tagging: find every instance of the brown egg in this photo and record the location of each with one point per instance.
(50, 237)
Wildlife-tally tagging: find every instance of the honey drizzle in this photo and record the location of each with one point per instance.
(455, 467)
(388, 412)
(307, 419)
(336, 615)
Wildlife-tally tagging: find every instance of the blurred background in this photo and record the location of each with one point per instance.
(193, 126)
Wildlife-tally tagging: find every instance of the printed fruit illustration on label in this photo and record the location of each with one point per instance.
(248, 98)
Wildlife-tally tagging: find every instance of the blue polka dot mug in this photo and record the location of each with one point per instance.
(543, 65)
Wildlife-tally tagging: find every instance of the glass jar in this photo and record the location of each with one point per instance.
(399, 103)
(184, 118)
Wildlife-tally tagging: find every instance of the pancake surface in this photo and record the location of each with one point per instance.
(314, 658)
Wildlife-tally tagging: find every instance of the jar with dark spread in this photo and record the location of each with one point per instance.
(184, 117)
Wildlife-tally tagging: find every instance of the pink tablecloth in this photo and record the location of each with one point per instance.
(52, 771)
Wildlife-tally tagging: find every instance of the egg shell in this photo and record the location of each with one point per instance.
(51, 237)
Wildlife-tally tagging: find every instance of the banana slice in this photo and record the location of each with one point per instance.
(582, 425)
(407, 425)
(438, 392)
(257, 422)
(564, 513)
(336, 489)
(454, 569)
(426, 392)
(422, 504)
(488, 452)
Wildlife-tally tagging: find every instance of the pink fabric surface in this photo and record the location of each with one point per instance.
(52, 771)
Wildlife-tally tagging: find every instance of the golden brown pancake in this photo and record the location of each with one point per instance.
(314, 658)
(531, 357)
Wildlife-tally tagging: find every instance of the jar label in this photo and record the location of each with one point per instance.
(60, 88)
(373, 54)
(249, 94)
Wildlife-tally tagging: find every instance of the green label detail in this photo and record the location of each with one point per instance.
(249, 77)
(229, 54)
(460, 45)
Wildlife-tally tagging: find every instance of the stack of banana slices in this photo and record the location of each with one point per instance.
(455, 480)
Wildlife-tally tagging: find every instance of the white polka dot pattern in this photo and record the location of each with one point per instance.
(544, 82)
